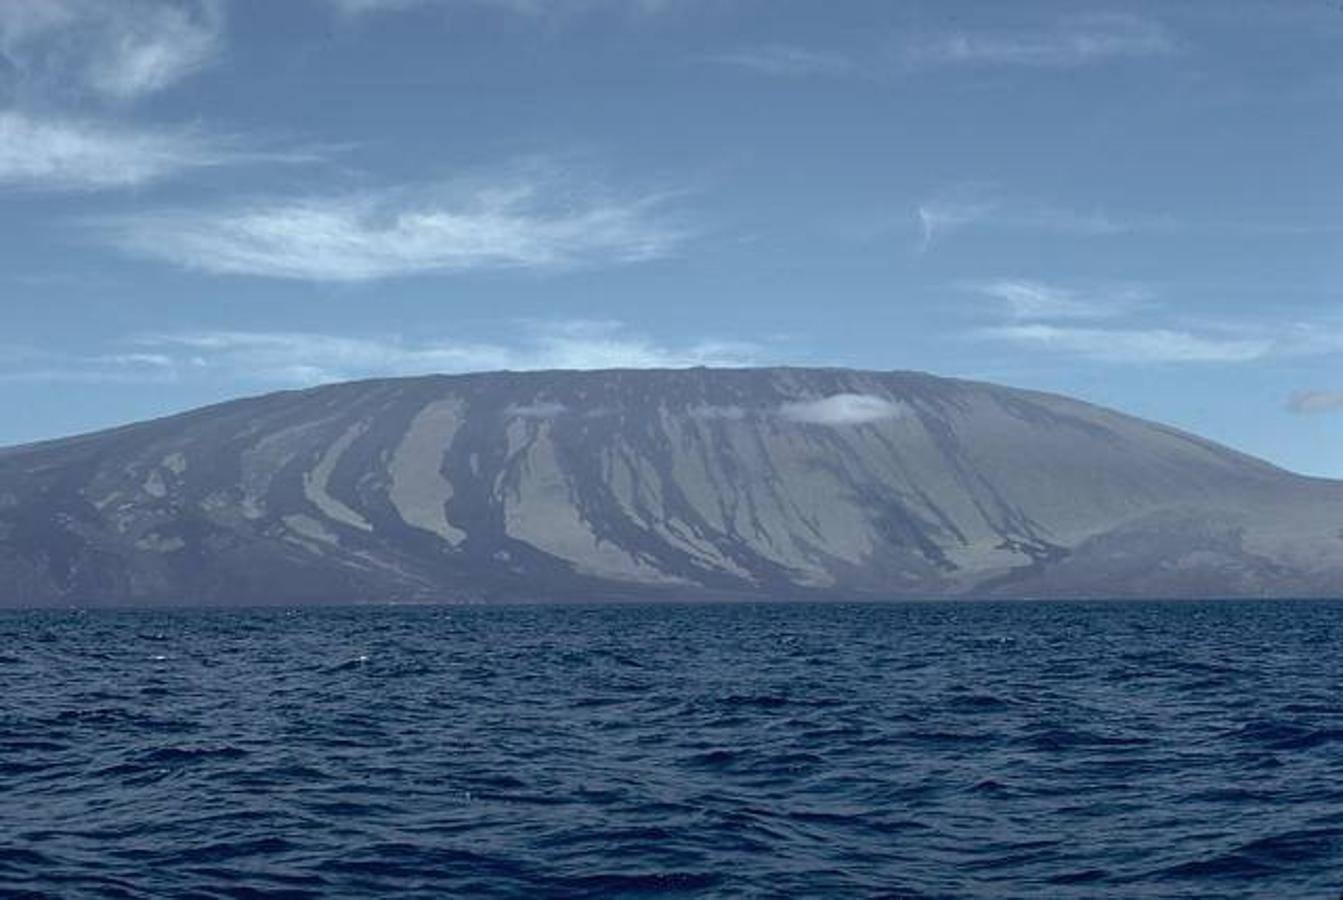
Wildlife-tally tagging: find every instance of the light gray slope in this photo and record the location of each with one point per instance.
(776, 482)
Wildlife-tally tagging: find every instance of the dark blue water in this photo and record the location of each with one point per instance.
(1135, 749)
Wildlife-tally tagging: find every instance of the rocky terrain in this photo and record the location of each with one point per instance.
(678, 484)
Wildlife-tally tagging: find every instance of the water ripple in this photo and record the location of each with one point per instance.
(914, 750)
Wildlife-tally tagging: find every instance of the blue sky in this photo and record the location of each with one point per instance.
(1137, 204)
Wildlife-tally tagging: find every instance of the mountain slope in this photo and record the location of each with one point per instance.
(683, 483)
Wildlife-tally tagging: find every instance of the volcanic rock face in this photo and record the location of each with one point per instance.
(778, 483)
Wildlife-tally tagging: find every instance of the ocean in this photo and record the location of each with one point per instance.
(1126, 749)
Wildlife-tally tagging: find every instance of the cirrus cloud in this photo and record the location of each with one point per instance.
(1140, 345)
(356, 8)
(72, 154)
(785, 60)
(1027, 299)
(310, 358)
(295, 358)
(1075, 42)
(1316, 402)
(119, 50)
(368, 236)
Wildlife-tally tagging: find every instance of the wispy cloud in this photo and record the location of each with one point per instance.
(1311, 338)
(370, 7)
(1027, 299)
(309, 358)
(1041, 316)
(55, 54)
(1072, 43)
(354, 8)
(1316, 402)
(842, 409)
(1133, 345)
(306, 358)
(941, 217)
(786, 61)
(977, 208)
(68, 154)
(120, 50)
(528, 223)
(25, 365)
(1080, 223)
(583, 344)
